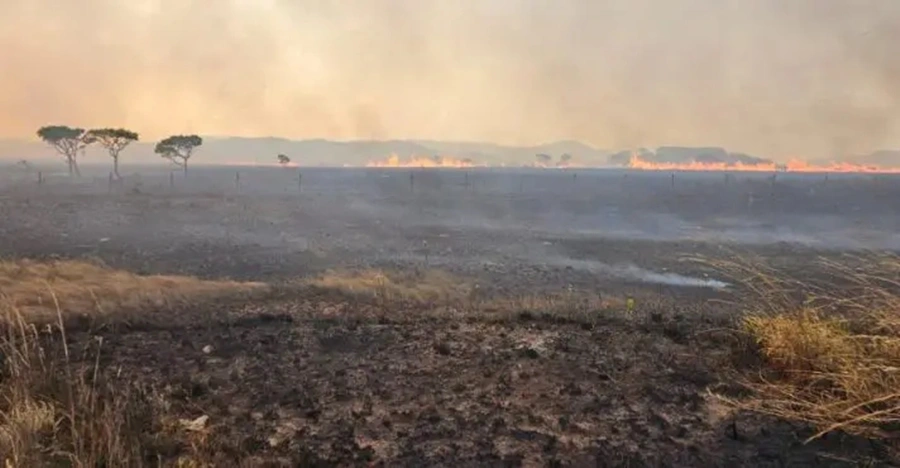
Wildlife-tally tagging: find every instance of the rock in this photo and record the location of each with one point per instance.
(530, 353)
(194, 425)
(207, 349)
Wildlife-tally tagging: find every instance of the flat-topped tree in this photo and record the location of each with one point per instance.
(114, 140)
(283, 160)
(178, 149)
(68, 141)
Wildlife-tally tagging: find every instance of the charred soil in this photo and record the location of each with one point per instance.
(311, 376)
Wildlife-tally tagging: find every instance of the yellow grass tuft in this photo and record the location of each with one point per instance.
(830, 346)
(54, 412)
(804, 340)
(78, 287)
(427, 286)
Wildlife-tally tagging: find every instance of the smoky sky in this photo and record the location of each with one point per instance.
(781, 78)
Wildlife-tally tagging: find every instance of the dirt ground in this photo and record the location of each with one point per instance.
(317, 377)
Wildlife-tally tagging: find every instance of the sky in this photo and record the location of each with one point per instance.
(776, 78)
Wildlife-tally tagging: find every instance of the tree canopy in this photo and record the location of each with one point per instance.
(283, 160)
(113, 139)
(67, 141)
(178, 149)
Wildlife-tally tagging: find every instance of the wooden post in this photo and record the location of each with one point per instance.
(171, 180)
(673, 180)
(467, 179)
(40, 178)
(411, 181)
(237, 180)
(299, 181)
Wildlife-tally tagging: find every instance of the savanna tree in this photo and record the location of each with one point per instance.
(565, 159)
(543, 159)
(68, 141)
(114, 140)
(283, 160)
(178, 149)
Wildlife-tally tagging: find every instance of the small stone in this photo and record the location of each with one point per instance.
(194, 425)
(207, 349)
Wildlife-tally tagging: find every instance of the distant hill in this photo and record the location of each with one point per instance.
(686, 155)
(881, 158)
(320, 152)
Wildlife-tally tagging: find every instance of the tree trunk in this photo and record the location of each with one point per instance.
(71, 167)
(116, 166)
(184, 167)
(75, 165)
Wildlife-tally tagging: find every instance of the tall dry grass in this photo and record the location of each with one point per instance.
(59, 411)
(405, 286)
(829, 342)
(39, 290)
(55, 412)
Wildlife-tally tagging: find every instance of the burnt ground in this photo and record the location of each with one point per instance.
(311, 377)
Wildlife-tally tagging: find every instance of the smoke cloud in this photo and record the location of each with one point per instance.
(799, 78)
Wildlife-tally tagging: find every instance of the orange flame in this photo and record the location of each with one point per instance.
(794, 165)
(419, 161)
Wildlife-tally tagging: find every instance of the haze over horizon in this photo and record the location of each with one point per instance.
(805, 78)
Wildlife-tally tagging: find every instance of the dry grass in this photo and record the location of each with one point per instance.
(830, 344)
(429, 286)
(573, 305)
(59, 413)
(38, 289)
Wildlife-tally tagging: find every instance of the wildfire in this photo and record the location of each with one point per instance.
(419, 161)
(636, 162)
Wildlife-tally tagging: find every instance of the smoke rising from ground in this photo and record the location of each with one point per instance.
(807, 78)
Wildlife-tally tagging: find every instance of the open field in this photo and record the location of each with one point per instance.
(415, 317)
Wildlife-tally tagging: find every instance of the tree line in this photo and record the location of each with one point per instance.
(70, 141)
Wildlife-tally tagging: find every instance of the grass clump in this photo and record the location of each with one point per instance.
(829, 344)
(38, 290)
(57, 409)
(427, 286)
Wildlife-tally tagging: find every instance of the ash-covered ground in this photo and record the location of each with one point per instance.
(306, 378)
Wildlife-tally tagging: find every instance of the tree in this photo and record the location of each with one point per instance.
(564, 159)
(283, 160)
(67, 141)
(114, 140)
(178, 149)
(543, 159)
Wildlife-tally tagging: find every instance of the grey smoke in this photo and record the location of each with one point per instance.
(806, 78)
